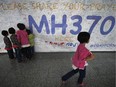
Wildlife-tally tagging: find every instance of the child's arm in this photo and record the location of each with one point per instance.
(90, 57)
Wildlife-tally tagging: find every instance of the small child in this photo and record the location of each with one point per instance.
(8, 44)
(31, 41)
(22, 37)
(16, 44)
(79, 60)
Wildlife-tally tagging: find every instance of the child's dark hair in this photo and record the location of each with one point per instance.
(28, 31)
(83, 37)
(21, 26)
(4, 33)
(11, 30)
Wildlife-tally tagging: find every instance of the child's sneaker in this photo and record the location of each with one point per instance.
(62, 83)
(19, 61)
(82, 84)
(12, 58)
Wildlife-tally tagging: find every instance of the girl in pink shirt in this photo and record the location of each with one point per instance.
(22, 37)
(79, 59)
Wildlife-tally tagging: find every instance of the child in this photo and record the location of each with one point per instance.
(79, 60)
(16, 44)
(31, 41)
(8, 44)
(23, 39)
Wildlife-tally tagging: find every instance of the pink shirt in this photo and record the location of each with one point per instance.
(22, 37)
(80, 55)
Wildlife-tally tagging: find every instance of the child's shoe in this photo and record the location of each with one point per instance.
(19, 61)
(12, 58)
(81, 85)
(63, 83)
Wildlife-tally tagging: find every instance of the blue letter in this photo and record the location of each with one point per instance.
(77, 24)
(112, 19)
(63, 25)
(42, 22)
(96, 20)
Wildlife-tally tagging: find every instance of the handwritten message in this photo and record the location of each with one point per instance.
(55, 5)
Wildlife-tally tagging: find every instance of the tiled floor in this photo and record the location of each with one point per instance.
(46, 69)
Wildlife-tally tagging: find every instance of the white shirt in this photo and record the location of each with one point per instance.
(74, 67)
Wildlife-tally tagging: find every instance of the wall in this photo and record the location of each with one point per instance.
(56, 23)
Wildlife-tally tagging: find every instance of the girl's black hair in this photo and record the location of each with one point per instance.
(21, 26)
(11, 30)
(4, 33)
(28, 31)
(83, 37)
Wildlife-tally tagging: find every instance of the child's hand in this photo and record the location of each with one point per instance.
(90, 57)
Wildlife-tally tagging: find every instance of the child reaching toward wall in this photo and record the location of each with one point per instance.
(31, 41)
(80, 58)
(8, 44)
(16, 44)
(22, 37)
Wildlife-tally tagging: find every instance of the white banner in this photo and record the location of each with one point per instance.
(56, 23)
